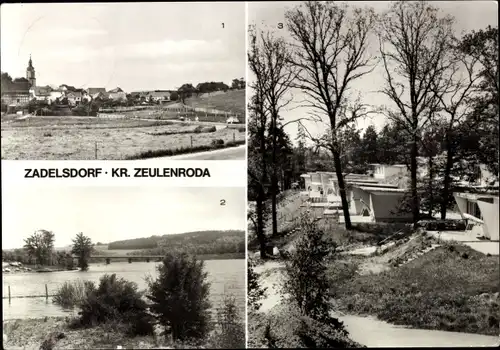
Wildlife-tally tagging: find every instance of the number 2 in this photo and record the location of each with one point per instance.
(222, 202)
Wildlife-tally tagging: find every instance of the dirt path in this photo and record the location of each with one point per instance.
(368, 330)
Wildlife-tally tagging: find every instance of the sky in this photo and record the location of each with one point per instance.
(469, 15)
(136, 46)
(107, 214)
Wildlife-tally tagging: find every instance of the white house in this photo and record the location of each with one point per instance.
(74, 97)
(232, 120)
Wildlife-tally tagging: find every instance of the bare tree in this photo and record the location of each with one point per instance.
(269, 61)
(331, 51)
(453, 90)
(413, 43)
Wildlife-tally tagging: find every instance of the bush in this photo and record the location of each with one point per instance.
(307, 280)
(218, 142)
(254, 291)
(231, 330)
(442, 225)
(117, 299)
(286, 327)
(180, 297)
(72, 294)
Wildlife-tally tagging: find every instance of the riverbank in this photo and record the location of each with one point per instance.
(32, 333)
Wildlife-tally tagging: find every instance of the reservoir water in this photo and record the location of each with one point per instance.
(226, 276)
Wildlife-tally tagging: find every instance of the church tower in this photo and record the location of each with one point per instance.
(30, 74)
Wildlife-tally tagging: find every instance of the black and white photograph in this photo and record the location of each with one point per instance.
(116, 81)
(373, 174)
(96, 267)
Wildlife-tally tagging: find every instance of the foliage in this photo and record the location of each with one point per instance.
(199, 242)
(286, 327)
(116, 299)
(212, 86)
(82, 248)
(72, 294)
(255, 292)
(230, 333)
(180, 297)
(307, 280)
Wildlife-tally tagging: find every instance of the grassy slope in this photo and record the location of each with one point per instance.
(233, 101)
(451, 288)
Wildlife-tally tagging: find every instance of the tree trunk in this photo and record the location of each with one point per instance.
(446, 179)
(274, 183)
(260, 224)
(343, 196)
(413, 170)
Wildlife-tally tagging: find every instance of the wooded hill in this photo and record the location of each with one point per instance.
(199, 242)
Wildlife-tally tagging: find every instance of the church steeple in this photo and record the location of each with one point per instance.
(30, 73)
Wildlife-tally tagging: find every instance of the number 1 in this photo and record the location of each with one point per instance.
(223, 25)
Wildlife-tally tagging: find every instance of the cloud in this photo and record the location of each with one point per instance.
(73, 33)
(169, 48)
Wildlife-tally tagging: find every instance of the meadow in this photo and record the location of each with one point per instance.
(87, 138)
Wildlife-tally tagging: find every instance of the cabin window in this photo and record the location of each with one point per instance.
(473, 209)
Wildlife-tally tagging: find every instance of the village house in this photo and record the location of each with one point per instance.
(161, 96)
(40, 93)
(117, 94)
(93, 93)
(74, 97)
(16, 93)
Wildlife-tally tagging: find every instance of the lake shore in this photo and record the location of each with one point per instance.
(31, 333)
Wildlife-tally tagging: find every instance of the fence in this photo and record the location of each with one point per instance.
(46, 295)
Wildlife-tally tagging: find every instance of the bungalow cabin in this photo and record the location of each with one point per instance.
(480, 210)
(478, 204)
(378, 204)
(385, 171)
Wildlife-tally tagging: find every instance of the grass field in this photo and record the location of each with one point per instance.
(233, 101)
(452, 288)
(64, 138)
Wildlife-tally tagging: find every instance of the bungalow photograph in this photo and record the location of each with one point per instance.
(373, 174)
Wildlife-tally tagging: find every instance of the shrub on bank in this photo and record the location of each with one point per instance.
(286, 327)
(230, 330)
(116, 300)
(72, 294)
(255, 292)
(185, 150)
(180, 297)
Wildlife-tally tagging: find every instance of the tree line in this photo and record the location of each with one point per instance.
(443, 93)
(200, 242)
(39, 250)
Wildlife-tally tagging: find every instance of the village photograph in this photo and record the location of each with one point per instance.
(113, 81)
(123, 267)
(373, 174)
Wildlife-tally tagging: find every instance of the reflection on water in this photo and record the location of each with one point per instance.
(226, 276)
